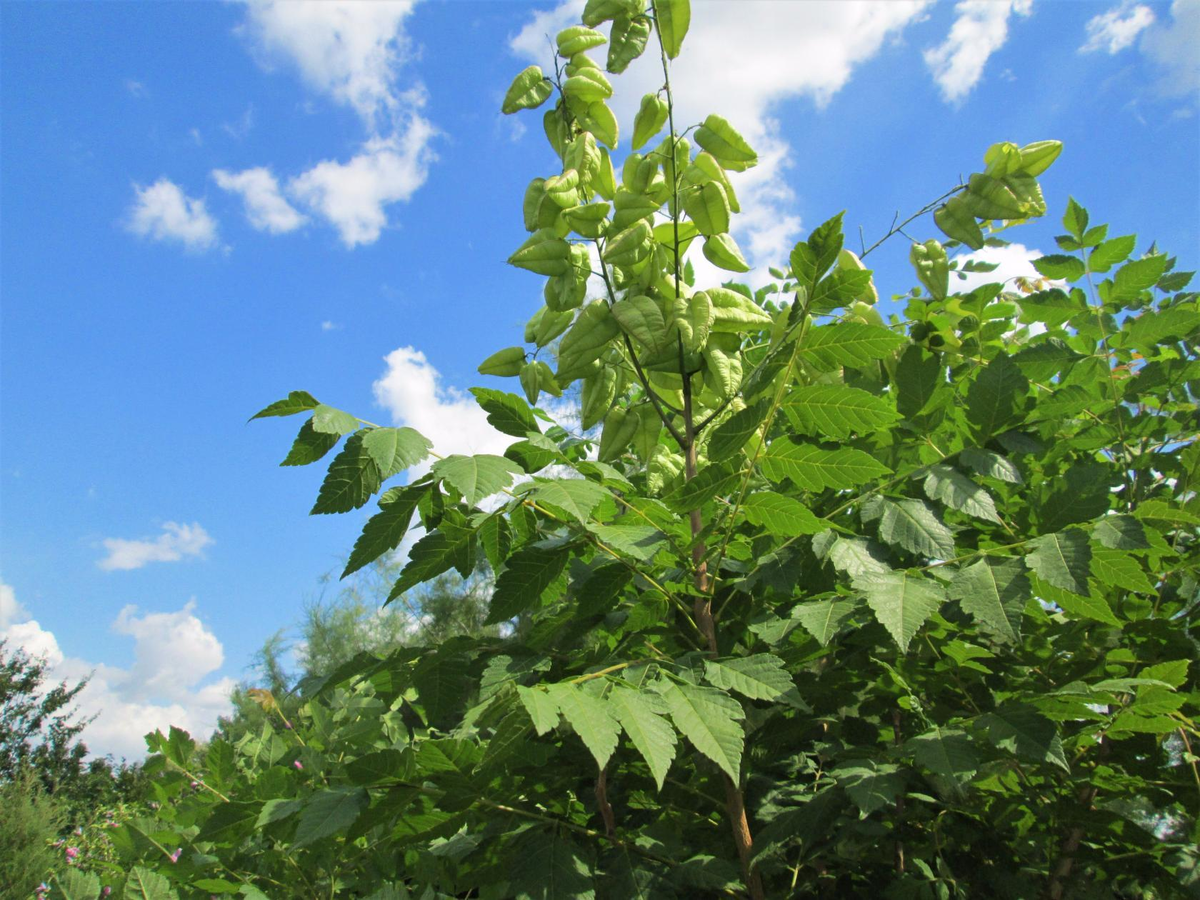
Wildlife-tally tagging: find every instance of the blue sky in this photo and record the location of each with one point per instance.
(207, 205)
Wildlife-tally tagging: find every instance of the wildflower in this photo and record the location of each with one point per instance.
(297, 764)
(195, 784)
(176, 854)
(72, 852)
(107, 890)
(42, 889)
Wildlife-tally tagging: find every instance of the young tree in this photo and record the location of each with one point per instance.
(832, 583)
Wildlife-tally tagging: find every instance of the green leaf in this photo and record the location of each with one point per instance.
(577, 497)
(919, 375)
(649, 732)
(385, 530)
(1136, 276)
(991, 464)
(995, 397)
(476, 477)
(759, 677)
(352, 478)
(542, 709)
(1111, 252)
(627, 41)
(276, 811)
(1060, 267)
(526, 576)
(309, 446)
(960, 493)
(1121, 533)
(901, 602)
(642, 319)
(823, 618)
(1091, 605)
(710, 720)
(295, 402)
(871, 785)
(229, 822)
(395, 449)
(552, 868)
(1062, 560)
(1075, 219)
(849, 344)
(507, 413)
(710, 482)
(731, 435)
(328, 812)
(673, 18)
(944, 751)
(440, 678)
(328, 420)
(528, 90)
(590, 717)
(1119, 569)
(837, 411)
(913, 525)
(451, 545)
(814, 468)
(782, 516)
(143, 884)
(995, 593)
(1022, 730)
(638, 541)
(1149, 329)
(73, 884)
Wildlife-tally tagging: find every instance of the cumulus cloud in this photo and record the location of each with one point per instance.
(1116, 29)
(1014, 265)
(163, 212)
(782, 51)
(266, 207)
(174, 655)
(1175, 48)
(352, 195)
(979, 30)
(176, 542)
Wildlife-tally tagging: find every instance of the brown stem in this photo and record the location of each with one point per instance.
(606, 810)
(899, 861)
(1056, 887)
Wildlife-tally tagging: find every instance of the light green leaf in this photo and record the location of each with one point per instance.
(1062, 560)
(710, 720)
(723, 252)
(995, 593)
(352, 478)
(328, 420)
(1136, 276)
(276, 811)
(476, 477)
(731, 435)
(1119, 569)
(1022, 730)
(814, 468)
(526, 576)
(1111, 252)
(542, 709)
(673, 18)
(901, 602)
(993, 465)
(837, 410)
(1059, 267)
(823, 618)
(710, 482)
(143, 884)
(395, 449)
(295, 402)
(638, 541)
(944, 751)
(577, 497)
(650, 733)
(960, 493)
(506, 412)
(641, 318)
(229, 822)
(759, 677)
(590, 717)
(913, 525)
(782, 516)
(73, 884)
(849, 344)
(328, 812)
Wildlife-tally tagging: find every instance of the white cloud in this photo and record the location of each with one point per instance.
(980, 29)
(1012, 262)
(352, 195)
(136, 88)
(1118, 28)
(242, 126)
(348, 50)
(174, 653)
(1176, 49)
(266, 207)
(782, 50)
(330, 326)
(176, 542)
(163, 212)
(413, 392)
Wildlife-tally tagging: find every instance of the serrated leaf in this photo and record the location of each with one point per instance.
(328, 812)
(1024, 731)
(960, 493)
(379, 765)
(650, 733)
(759, 677)
(143, 884)
(710, 482)
(552, 868)
(995, 397)
(276, 811)
(871, 785)
(823, 618)
(919, 375)
(1060, 267)
(542, 709)
(1062, 560)
(309, 446)
(590, 718)
(731, 435)
(506, 412)
(944, 751)
(814, 468)
(901, 602)
(476, 477)
(1119, 569)
(1136, 276)
(995, 593)
(782, 516)
(1111, 252)
(395, 449)
(328, 420)
(352, 479)
(386, 529)
(1121, 533)
(991, 464)
(229, 822)
(526, 576)
(1091, 605)
(638, 541)
(295, 402)
(849, 344)
(440, 678)
(577, 497)
(837, 411)
(913, 525)
(452, 545)
(73, 884)
(709, 719)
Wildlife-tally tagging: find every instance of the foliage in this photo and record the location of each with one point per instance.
(924, 584)
(29, 825)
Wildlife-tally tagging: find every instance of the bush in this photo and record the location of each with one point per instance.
(30, 822)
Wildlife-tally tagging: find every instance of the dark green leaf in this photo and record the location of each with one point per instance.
(527, 575)
(295, 402)
(328, 812)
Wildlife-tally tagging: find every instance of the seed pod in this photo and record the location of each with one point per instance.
(597, 396)
(543, 253)
(619, 428)
(733, 312)
(629, 246)
(720, 139)
(722, 250)
(589, 336)
(651, 117)
(576, 39)
(528, 90)
(933, 268)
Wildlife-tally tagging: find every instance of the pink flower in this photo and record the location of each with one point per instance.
(195, 784)
(297, 764)
(175, 855)
(72, 852)
(107, 890)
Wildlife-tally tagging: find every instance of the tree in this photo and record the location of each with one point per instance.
(833, 583)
